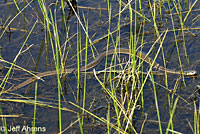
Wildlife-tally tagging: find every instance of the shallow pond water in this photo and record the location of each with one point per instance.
(36, 56)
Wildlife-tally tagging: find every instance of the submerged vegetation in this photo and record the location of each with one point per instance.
(130, 94)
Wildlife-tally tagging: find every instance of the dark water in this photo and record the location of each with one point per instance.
(39, 58)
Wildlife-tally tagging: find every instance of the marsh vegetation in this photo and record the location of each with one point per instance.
(63, 69)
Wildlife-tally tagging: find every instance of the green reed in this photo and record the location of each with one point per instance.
(78, 77)
(51, 23)
(35, 106)
(196, 128)
(107, 48)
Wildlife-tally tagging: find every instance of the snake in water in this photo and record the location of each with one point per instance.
(98, 59)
